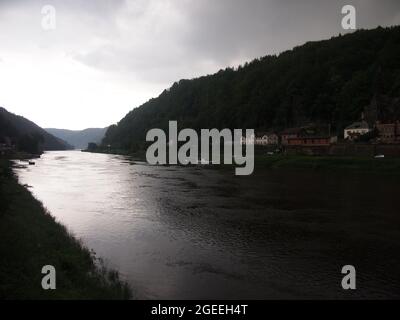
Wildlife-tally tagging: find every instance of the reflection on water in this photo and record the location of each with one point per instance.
(183, 233)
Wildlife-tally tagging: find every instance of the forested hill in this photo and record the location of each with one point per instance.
(329, 81)
(79, 139)
(26, 135)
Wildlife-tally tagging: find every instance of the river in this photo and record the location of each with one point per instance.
(200, 233)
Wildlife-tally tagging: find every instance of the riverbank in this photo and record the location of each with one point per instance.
(331, 163)
(31, 238)
(262, 160)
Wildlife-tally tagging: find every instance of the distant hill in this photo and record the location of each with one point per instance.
(322, 82)
(79, 139)
(26, 135)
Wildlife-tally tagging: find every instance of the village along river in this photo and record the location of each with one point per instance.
(194, 232)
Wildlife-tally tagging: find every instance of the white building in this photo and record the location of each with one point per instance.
(262, 139)
(250, 140)
(267, 139)
(355, 130)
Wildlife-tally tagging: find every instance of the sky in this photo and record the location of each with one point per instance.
(102, 58)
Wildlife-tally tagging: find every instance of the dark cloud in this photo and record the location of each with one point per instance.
(123, 52)
(162, 41)
(188, 38)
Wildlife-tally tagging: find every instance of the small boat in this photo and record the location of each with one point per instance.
(31, 163)
(379, 156)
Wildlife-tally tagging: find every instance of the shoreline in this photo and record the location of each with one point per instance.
(346, 164)
(30, 238)
(262, 161)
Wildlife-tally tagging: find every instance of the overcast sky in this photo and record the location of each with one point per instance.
(106, 57)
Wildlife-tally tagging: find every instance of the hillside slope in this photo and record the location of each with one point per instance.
(79, 138)
(27, 135)
(330, 81)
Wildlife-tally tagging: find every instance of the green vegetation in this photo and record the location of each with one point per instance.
(30, 238)
(298, 162)
(331, 163)
(324, 82)
(26, 136)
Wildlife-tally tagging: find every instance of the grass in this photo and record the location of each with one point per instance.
(354, 164)
(284, 161)
(31, 238)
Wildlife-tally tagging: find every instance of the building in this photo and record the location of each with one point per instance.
(291, 133)
(261, 139)
(273, 139)
(312, 141)
(250, 140)
(388, 132)
(266, 138)
(355, 130)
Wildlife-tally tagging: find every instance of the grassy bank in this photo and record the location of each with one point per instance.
(353, 164)
(283, 161)
(30, 238)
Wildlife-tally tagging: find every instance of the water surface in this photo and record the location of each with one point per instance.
(194, 232)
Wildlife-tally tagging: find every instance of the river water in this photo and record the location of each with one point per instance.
(200, 233)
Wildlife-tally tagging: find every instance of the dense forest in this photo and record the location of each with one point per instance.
(325, 82)
(26, 135)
